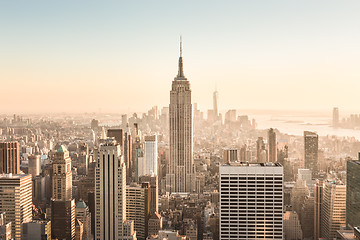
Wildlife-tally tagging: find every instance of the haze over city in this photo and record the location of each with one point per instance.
(121, 56)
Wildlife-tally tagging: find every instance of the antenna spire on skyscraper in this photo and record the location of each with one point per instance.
(180, 46)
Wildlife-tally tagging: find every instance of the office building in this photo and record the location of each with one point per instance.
(249, 194)
(110, 178)
(10, 157)
(34, 165)
(318, 200)
(82, 214)
(154, 224)
(215, 105)
(5, 227)
(62, 203)
(353, 194)
(151, 155)
(311, 140)
(137, 208)
(37, 230)
(292, 227)
(333, 208)
(154, 191)
(272, 145)
(230, 155)
(261, 153)
(16, 201)
(181, 175)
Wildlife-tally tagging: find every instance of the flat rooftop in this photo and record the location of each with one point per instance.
(247, 164)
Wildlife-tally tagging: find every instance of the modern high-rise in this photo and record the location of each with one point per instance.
(151, 155)
(272, 145)
(181, 175)
(16, 200)
(9, 157)
(353, 194)
(251, 201)
(311, 140)
(333, 208)
(261, 153)
(318, 200)
(62, 203)
(110, 192)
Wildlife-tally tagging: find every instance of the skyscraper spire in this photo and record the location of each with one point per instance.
(181, 71)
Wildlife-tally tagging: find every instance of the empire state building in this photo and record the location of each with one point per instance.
(180, 176)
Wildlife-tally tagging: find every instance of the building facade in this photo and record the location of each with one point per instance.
(311, 141)
(181, 175)
(16, 201)
(9, 157)
(251, 201)
(353, 194)
(110, 192)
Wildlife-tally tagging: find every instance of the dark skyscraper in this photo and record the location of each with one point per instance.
(353, 194)
(9, 157)
(181, 176)
(311, 140)
(272, 145)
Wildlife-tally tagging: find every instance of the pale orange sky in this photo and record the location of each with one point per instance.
(74, 57)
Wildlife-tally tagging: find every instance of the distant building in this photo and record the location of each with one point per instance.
(9, 157)
(272, 145)
(246, 189)
(151, 155)
(336, 120)
(230, 155)
(37, 230)
(311, 141)
(34, 165)
(16, 201)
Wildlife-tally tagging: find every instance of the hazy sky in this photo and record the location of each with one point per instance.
(122, 55)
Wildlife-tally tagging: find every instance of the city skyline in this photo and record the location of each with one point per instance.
(292, 50)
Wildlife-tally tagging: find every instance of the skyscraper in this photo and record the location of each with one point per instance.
(353, 193)
(34, 165)
(16, 200)
(62, 203)
(154, 191)
(181, 176)
(251, 201)
(215, 105)
(311, 140)
(151, 155)
(318, 199)
(333, 208)
(137, 207)
(9, 157)
(110, 192)
(272, 145)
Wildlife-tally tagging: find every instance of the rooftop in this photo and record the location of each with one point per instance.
(247, 164)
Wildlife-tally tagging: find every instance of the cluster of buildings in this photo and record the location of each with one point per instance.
(171, 174)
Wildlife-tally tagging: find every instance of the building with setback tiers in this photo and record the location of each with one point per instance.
(181, 175)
